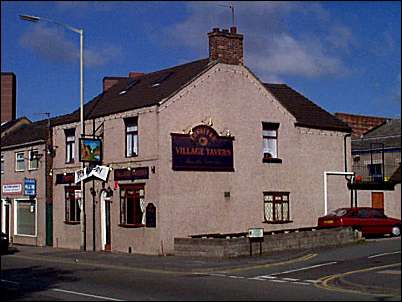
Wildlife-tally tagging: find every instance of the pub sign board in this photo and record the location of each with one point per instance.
(90, 150)
(202, 150)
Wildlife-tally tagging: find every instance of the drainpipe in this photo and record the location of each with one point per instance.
(346, 165)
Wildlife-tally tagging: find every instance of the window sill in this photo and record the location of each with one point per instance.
(131, 226)
(278, 222)
(130, 156)
(72, 222)
(272, 160)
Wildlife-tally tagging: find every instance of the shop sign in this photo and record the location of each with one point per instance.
(15, 188)
(134, 173)
(67, 178)
(29, 187)
(202, 150)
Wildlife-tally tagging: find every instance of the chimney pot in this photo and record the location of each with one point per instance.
(233, 30)
(215, 29)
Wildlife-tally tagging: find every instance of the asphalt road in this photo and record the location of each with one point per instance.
(366, 271)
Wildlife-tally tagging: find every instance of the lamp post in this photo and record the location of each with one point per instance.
(36, 19)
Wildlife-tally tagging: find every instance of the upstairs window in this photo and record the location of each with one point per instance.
(131, 137)
(19, 161)
(70, 145)
(33, 160)
(270, 141)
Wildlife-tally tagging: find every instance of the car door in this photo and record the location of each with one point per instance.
(377, 221)
(363, 217)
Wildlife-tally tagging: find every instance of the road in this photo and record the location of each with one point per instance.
(367, 271)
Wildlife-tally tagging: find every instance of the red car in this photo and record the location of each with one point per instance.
(369, 221)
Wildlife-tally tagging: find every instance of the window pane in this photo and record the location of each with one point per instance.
(285, 208)
(278, 211)
(72, 151)
(272, 147)
(135, 144)
(269, 215)
(269, 133)
(26, 218)
(70, 138)
(20, 156)
(129, 145)
(132, 128)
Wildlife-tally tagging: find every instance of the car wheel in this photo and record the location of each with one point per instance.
(396, 231)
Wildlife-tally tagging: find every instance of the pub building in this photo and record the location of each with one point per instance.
(199, 148)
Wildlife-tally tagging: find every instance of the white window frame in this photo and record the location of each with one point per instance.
(16, 218)
(2, 163)
(30, 160)
(16, 161)
(70, 147)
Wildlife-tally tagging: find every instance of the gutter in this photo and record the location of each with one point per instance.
(38, 142)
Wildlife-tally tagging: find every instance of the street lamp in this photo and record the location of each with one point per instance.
(36, 19)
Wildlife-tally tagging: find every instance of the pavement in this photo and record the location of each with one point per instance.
(160, 264)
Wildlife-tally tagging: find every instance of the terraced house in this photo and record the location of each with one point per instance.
(200, 148)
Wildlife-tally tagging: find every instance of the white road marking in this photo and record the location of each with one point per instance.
(312, 281)
(302, 283)
(236, 277)
(279, 281)
(82, 294)
(390, 272)
(384, 254)
(304, 268)
(8, 281)
(267, 277)
(218, 275)
(290, 279)
(257, 278)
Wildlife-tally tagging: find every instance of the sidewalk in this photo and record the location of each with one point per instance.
(160, 264)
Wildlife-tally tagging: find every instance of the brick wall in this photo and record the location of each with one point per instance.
(8, 96)
(226, 46)
(234, 247)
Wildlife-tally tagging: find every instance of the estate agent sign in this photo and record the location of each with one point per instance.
(202, 150)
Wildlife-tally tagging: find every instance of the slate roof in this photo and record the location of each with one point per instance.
(28, 133)
(150, 89)
(388, 133)
(9, 124)
(307, 113)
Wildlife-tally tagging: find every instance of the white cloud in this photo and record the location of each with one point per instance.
(270, 48)
(52, 44)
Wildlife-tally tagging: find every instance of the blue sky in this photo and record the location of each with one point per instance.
(344, 56)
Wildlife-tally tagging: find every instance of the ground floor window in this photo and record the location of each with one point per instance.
(25, 217)
(72, 207)
(276, 207)
(132, 205)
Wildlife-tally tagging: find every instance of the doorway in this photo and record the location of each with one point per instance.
(377, 200)
(105, 222)
(5, 217)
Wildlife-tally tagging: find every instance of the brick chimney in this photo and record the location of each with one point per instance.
(226, 46)
(109, 82)
(135, 75)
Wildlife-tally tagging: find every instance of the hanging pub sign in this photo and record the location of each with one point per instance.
(202, 150)
(90, 150)
(132, 174)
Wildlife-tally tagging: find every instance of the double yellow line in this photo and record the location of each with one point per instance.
(325, 282)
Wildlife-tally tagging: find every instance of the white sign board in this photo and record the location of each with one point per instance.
(256, 233)
(12, 188)
(100, 172)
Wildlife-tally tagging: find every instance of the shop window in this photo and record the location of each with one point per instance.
(131, 137)
(25, 214)
(132, 205)
(2, 164)
(270, 142)
(276, 207)
(72, 207)
(70, 145)
(33, 163)
(19, 161)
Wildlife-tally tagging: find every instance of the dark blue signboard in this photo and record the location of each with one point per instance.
(29, 187)
(202, 150)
